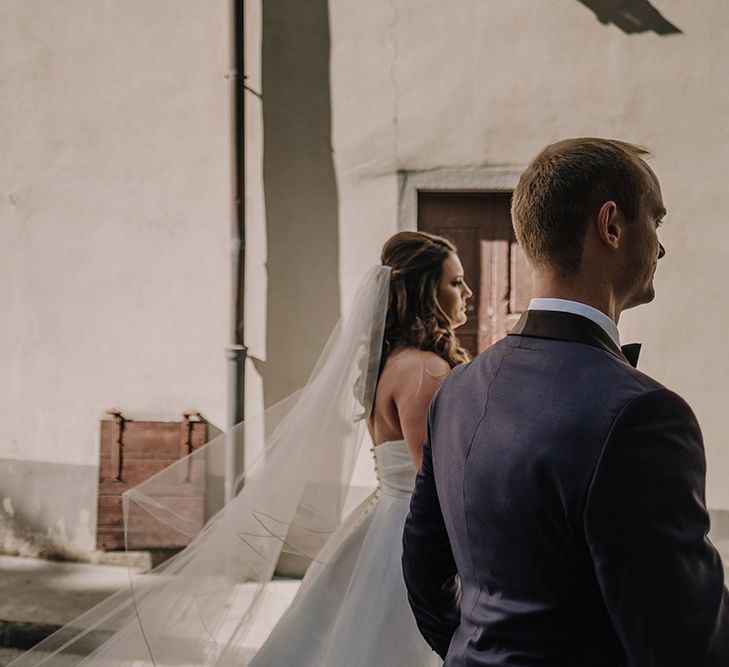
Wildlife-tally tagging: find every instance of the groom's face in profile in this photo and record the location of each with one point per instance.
(642, 247)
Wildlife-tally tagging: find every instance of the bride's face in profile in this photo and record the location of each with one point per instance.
(453, 291)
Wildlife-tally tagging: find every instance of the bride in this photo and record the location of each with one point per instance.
(354, 611)
(209, 604)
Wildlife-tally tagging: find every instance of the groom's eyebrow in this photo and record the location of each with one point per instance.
(660, 211)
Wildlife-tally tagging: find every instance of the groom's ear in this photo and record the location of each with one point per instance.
(608, 224)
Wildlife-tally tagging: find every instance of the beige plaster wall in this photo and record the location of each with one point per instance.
(114, 228)
(114, 193)
(421, 85)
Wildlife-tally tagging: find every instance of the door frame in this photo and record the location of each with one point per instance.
(482, 179)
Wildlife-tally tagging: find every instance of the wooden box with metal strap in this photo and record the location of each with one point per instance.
(133, 451)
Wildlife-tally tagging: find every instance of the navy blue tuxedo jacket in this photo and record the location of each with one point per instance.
(565, 489)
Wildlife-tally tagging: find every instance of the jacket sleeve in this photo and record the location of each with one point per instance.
(646, 526)
(428, 565)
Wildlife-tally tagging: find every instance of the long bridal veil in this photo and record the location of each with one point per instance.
(202, 607)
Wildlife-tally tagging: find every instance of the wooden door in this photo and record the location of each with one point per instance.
(132, 452)
(495, 268)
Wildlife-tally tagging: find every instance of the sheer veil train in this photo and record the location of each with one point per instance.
(202, 606)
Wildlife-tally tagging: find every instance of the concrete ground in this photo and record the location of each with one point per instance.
(38, 596)
(7, 655)
(54, 593)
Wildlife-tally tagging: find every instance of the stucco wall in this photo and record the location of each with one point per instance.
(114, 234)
(420, 85)
(114, 194)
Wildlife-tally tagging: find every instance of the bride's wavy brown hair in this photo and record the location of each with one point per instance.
(414, 316)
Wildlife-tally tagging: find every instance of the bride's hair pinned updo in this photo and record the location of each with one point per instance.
(414, 316)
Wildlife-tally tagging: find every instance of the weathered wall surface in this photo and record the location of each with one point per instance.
(114, 234)
(422, 85)
(115, 190)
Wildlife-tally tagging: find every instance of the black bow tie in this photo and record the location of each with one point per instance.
(631, 352)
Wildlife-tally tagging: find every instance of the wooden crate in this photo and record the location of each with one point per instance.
(131, 452)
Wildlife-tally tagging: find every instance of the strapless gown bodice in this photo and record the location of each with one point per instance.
(352, 608)
(394, 469)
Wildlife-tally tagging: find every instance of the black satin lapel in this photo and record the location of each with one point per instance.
(566, 326)
(631, 352)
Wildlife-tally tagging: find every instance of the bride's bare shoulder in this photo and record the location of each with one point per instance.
(406, 386)
(411, 362)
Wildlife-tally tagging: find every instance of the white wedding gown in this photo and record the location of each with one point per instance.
(353, 611)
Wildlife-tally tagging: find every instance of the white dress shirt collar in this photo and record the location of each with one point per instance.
(577, 308)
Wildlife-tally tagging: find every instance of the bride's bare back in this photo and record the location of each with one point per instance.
(404, 391)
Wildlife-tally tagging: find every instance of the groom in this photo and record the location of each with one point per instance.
(562, 486)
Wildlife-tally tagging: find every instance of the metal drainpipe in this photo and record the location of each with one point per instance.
(237, 351)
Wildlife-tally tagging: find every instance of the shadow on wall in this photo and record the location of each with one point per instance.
(300, 193)
(631, 16)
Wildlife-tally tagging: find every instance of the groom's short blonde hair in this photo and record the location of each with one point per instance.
(565, 186)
